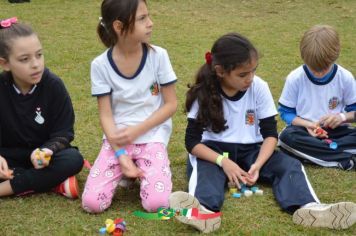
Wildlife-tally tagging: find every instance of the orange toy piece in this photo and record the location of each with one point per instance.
(320, 131)
(9, 173)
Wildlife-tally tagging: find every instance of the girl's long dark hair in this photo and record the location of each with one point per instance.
(229, 51)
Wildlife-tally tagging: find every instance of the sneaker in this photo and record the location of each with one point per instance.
(353, 160)
(69, 188)
(340, 215)
(179, 200)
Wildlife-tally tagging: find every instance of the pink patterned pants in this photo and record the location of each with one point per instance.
(105, 174)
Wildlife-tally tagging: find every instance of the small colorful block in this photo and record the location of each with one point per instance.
(248, 193)
(236, 195)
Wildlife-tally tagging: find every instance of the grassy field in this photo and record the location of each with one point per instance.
(187, 30)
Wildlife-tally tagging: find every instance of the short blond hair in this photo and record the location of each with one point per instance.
(320, 47)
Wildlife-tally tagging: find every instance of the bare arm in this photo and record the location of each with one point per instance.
(129, 134)
(107, 120)
(265, 153)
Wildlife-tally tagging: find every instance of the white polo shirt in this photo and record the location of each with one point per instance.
(242, 116)
(312, 100)
(134, 99)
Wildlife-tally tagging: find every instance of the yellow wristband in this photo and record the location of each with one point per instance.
(221, 157)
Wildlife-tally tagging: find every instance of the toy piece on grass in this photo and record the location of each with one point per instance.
(236, 195)
(167, 213)
(247, 192)
(117, 227)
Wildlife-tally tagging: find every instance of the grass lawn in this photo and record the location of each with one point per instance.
(187, 29)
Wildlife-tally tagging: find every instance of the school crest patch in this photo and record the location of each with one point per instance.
(250, 117)
(333, 102)
(154, 89)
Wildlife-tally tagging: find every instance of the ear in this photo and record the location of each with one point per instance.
(4, 64)
(117, 26)
(219, 71)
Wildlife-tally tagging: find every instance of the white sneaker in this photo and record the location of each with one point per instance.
(179, 200)
(340, 215)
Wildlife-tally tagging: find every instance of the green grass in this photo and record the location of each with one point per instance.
(187, 30)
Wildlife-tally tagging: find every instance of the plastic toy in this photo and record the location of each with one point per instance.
(39, 153)
(236, 195)
(233, 190)
(246, 191)
(9, 173)
(167, 213)
(320, 131)
(332, 144)
(115, 227)
(254, 189)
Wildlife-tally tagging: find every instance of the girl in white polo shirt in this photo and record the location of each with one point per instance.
(135, 86)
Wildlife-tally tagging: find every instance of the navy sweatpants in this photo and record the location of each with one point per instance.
(290, 185)
(297, 141)
(63, 164)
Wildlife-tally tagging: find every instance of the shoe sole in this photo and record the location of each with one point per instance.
(337, 216)
(179, 200)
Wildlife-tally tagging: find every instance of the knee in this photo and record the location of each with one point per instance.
(290, 162)
(75, 160)
(287, 136)
(91, 205)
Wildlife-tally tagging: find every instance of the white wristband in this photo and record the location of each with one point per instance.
(343, 117)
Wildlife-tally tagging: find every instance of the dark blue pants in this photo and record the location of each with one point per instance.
(63, 164)
(289, 183)
(297, 141)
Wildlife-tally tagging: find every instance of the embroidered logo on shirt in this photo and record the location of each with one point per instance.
(39, 118)
(250, 117)
(154, 89)
(333, 102)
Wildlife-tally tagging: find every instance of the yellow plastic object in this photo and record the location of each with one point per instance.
(233, 190)
(39, 152)
(110, 226)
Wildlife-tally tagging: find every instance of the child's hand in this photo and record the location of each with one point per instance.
(254, 173)
(40, 157)
(123, 136)
(316, 131)
(5, 172)
(234, 173)
(128, 167)
(331, 120)
(127, 135)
